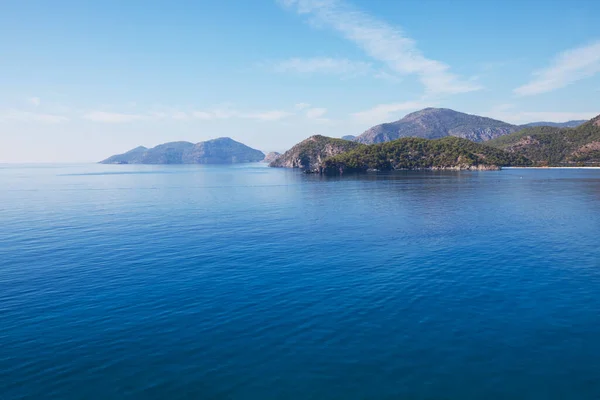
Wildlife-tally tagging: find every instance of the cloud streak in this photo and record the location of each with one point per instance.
(113, 118)
(316, 113)
(382, 42)
(34, 101)
(566, 68)
(26, 116)
(387, 112)
(230, 113)
(323, 65)
(224, 113)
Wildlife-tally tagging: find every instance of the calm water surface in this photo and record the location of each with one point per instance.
(244, 282)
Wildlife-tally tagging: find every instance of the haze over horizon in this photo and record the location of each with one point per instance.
(85, 81)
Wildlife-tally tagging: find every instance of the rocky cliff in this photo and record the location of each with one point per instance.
(270, 157)
(309, 154)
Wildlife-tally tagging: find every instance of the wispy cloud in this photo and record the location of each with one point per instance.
(26, 116)
(566, 68)
(301, 106)
(323, 65)
(384, 43)
(274, 115)
(316, 113)
(230, 113)
(112, 117)
(388, 112)
(222, 112)
(34, 101)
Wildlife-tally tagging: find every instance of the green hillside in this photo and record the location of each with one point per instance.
(415, 153)
(555, 146)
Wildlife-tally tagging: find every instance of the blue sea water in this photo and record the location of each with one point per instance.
(245, 282)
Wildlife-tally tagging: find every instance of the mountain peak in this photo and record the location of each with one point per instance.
(137, 150)
(222, 139)
(434, 123)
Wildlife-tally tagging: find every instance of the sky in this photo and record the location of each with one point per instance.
(82, 80)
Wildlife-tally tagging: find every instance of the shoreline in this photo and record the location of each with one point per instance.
(550, 167)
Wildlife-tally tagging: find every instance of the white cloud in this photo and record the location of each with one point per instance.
(112, 118)
(322, 65)
(388, 112)
(384, 43)
(301, 106)
(202, 115)
(386, 76)
(34, 101)
(566, 68)
(230, 113)
(179, 115)
(315, 113)
(26, 116)
(266, 115)
(503, 107)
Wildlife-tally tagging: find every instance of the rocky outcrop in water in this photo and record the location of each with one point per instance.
(270, 157)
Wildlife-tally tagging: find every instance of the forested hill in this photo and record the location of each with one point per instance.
(449, 153)
(555, 146)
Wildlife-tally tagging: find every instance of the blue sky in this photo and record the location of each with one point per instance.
(82, 80)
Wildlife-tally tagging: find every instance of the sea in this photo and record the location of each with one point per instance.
(248, 282)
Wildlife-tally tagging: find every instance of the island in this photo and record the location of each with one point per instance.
(216, 151)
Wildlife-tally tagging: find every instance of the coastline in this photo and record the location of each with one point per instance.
(550, 167)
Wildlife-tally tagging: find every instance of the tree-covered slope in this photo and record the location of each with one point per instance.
(416, 153)
(555, 146)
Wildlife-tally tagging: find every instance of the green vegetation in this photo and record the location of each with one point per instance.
(555, 146)
(417, 153)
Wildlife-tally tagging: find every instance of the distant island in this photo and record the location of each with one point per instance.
(217, 151)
